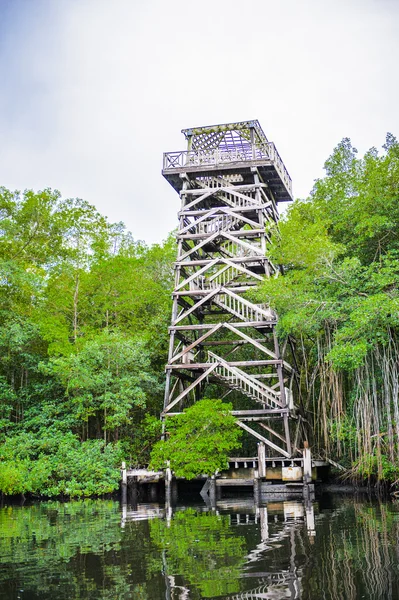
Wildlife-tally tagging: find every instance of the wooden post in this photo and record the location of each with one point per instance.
(212, 491)
(124, 483)
(168, 484)
(261, 460)
(205, 490)
(310, 523)
(169, 514)
(264, 525)
(257, 488)
(124, 516)
(307, 463)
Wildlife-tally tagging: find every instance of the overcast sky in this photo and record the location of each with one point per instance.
(92, 92)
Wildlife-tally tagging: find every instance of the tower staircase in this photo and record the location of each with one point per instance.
(243, 309)
(236, 379)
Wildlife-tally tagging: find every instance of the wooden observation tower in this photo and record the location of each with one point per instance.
(230, 180)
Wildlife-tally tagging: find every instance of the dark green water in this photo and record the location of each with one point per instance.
(96, 550)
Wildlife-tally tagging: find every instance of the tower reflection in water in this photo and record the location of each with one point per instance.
(339, 548)
(287, 582)
(232, 550)
(218, 551)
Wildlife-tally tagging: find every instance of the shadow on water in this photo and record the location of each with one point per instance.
(337, 548)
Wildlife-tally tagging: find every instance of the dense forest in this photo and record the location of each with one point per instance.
(83, 333)
(84, 316)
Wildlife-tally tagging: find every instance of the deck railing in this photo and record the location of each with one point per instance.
(185, 158)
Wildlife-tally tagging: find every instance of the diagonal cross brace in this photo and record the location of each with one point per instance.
(198, 341)
(190, 387)
(211, 294)
(263, 439)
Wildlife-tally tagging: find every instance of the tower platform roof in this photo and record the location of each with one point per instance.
(232, 148)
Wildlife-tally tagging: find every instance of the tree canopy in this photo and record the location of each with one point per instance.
(199, 440)
(84, 311)
(339, 298)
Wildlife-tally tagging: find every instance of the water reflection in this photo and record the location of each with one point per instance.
(333, 549)
(201, 548)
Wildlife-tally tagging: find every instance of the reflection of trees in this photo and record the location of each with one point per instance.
(79, 550)
(355, 554)
(59, 528)
(63, 550)
(202, 548)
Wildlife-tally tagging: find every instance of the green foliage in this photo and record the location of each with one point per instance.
(57, 537)
(148, 434)
(199, 440)
(84, 311)
(377, 466)
(340, 298)
(339, 249)
(109, 376)
(12, 477)
(344, 431)
(202, 549)
(53, 464)
(81, 543)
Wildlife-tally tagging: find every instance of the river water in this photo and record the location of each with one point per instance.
(335, 548)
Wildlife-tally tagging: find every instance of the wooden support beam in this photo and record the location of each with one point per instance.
(239, 363)
(237, 209)
(259, 412)
(196, 274)
(236, 240)
(250, 340)
(184, 256)
(255, 260)
(239, 234)
(230, 343)
(307, 464)
(244, 415)
(210, 295)
(238, 289)
(259, 346)
(261, 460)
(276, 417)
(198, 341)
(124, 483)
(201, 198)
(270, 430)
(189, 388)
(185, 340)
(183, 303)
(191, 224)
(263, 439)
(184, 376)
(238, 325)
(238, 188)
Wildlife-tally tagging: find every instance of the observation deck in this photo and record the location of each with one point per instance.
(232, 148)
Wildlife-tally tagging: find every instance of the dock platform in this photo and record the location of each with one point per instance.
(283, 478)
